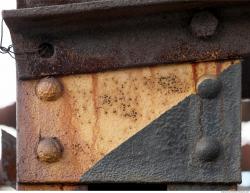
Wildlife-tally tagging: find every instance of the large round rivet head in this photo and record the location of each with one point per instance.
(208, 86)
(48, 89)
(204, 24)
(207, 149)
(49, 150)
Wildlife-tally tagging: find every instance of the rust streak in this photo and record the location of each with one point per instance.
(68, 110)
(152, 73)
(195, 78)
(218, 68)
(206, 68)
(95, 103)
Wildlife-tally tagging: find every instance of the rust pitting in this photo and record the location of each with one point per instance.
(49, 150)
(124, 43)
(49, 89)
(120, 103)
(204, 24)
(127, 106)
(152, 85)
(96, 128)
(172, 83)
(70, 59)
(66, 114)
(39, 3)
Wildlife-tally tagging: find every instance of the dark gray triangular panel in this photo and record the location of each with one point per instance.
(166, 150)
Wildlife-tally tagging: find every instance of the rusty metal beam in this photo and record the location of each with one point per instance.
(39, 3)
(245, 161)
(107, 35)
(8, 159)
(113, 105)
(8, 115)
(176, 4)
(95, 36)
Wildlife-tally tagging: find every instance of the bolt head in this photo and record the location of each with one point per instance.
(208, 86)
(207, 149)
(49, 150)
(48, 89)
(204, 24)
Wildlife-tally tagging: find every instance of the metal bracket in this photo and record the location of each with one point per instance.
(196, 141)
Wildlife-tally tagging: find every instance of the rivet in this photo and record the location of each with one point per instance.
(204, 24)
(207, 149)
(49, 150)
(208, 86)
(48, 89)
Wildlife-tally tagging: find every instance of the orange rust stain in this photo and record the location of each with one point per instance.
(195, 75)
(152, 75)
(72, 131)
(95, 103)
(218, 68)
(81, 154)
(206, 68)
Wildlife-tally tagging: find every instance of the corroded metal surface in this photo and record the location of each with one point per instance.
(49, 150)
(245, 161)
(196, 141)
(38, 3)
(51, 187)
(108, 35)
(204, 24)
(8, 115)
(49, 89)
(208, 86)
(180, 3)
(98, 112)
(8, 159)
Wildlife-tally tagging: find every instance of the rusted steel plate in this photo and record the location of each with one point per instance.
(94, 114)
(245, 161)
(245, 109)
(198, 141)
(108, 35)
(8, 159)
(8, 116)
(1, 176)
(51, 187)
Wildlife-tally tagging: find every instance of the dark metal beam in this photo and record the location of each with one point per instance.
(108, 35)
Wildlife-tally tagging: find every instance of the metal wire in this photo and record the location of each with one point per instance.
(9, 50)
